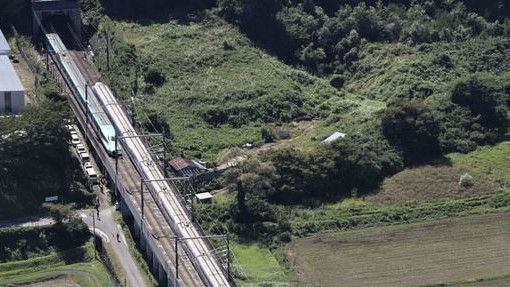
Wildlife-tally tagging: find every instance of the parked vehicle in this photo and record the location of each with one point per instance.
(84, 156)
(75, 140)
(87, 165)
(91, 175)
(81, 148)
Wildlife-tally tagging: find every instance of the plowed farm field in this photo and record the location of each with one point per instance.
(425, 254)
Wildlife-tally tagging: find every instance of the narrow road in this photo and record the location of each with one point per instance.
(107, 229)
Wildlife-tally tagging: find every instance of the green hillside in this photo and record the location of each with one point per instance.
(391, 72)
(220, 90)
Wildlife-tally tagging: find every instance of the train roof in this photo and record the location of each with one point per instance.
(56, 43)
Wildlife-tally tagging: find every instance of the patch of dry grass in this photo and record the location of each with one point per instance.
(428, 183)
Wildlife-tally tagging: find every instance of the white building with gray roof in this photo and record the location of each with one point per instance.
(12, 93)
(5, 50)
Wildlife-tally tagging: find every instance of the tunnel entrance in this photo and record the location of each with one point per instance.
(61, 14)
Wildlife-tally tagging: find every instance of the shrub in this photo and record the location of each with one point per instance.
(466, 180)
(267, 135)
(414, 129)
(484, 98)
(155, 77)
(337, 81)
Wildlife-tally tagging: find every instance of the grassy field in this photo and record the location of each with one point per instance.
(76, 265)
(434, 252)
(421, 193)
(490, 163)
(488, 166)
(210, 67)
(257, 265)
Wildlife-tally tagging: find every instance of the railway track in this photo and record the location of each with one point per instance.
(164, 194)
(154, 222)
(203, 269)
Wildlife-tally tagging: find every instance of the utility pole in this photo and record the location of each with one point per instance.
(176, 261)
(107, 50)
(116, 162)
(228, 257)
(94, 231)
(47, 58)
(165, 167)
(134, 88)
(141, 194)
(192, 198)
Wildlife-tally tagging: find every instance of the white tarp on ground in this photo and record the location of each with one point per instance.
(334, 136)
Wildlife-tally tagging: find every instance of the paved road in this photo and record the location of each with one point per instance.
(107, 228)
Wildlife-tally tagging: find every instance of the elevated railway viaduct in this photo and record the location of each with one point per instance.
(155, 235)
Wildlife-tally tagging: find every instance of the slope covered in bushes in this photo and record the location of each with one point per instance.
(213, 88)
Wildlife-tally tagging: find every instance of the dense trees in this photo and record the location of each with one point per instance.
(152, 10)
(28, 242)
(326, 36)
(253, 216)
(476, 114)
(413, 128)
(485, 100)
(34, 158)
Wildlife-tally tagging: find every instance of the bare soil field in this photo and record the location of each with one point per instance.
(429, 253)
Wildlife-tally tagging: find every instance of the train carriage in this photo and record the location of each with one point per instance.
(84, 92)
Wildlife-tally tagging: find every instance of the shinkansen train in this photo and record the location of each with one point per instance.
(77, 83)
(107, 117)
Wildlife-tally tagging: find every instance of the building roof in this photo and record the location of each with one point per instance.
(204, 196)
(180, 163)
(334, 136)
(9, 80)
(4, 46)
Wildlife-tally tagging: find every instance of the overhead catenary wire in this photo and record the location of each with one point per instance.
(164, 195)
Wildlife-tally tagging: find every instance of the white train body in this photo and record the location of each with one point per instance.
(198, 250)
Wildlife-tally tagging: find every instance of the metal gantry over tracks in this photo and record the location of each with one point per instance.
(165, 199)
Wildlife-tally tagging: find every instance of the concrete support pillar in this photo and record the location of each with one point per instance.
(124, 208)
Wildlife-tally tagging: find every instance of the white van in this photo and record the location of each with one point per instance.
(81, 148)
(75, 140)
(91, 175)
(84, 156)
